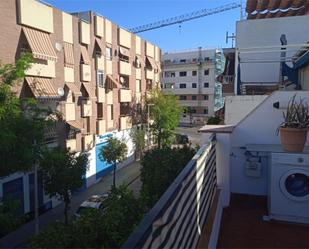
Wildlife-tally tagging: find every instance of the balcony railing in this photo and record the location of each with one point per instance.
(178, 217)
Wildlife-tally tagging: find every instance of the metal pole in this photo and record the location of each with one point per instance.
(36, 195)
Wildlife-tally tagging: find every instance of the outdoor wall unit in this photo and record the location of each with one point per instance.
(138, 73)
(44, 68)
(84, 32)
(99, 26)
(125, 123)
(124, 68)
(86, 108)
(85, 73)
(69, 74)
(124, 38)
(125, 95)
(87, 142)
(101, 127)
(42, 19)
(70, 111)
(149, 74)
(71, 144)
(100, 94)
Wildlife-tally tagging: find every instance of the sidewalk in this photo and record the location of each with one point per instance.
(125, 175)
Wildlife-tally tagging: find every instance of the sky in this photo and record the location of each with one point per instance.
(206, 32)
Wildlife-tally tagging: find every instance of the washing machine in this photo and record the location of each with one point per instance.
(288, 198)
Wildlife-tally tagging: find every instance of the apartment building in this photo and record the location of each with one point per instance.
(88, 68)
(192, 76)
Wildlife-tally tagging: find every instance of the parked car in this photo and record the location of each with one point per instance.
(181, 139)
(94, 202)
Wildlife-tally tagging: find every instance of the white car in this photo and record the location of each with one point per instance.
(94, 202)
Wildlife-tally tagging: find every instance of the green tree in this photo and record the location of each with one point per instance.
(123, 214)
(213, 120)
(165, 112)
(159, 169)
(114, 152)
(138, 138)
(63, 173)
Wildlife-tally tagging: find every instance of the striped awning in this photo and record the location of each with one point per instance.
(111, 83)
(152, 62)
(68, 55)
(75, 124)
(89, 89)
(40, 44)
(73, 88)
(124, 51)
(85, 55)
(42, 87)
(140, 59)
(258, 9)
(100, 44)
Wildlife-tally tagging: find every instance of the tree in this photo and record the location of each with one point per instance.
(214, 120)
(63, 173)
(165, 112)
(123, 214)
(114, 152)
(138, 138)
(160, 168)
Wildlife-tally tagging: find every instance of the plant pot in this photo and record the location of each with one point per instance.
(293, 139)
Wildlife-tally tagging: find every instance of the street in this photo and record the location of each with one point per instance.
(127, 175)
(194, 136)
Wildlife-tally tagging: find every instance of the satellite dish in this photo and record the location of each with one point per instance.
(121, 80)
(58, 46)
(60, 91)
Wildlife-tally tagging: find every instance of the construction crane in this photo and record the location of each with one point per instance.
(184, 18)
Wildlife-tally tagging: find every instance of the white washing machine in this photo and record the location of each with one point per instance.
(288, 198)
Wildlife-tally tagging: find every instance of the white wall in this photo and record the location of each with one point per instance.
(238, 107)
(267, 32)
(259, 127)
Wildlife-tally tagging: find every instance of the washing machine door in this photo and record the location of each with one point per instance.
(294, 184)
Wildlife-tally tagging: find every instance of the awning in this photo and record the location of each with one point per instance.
(73, 88)
(89, 89)
(68, 55)
(124, 51)
(100, 44)
(85, 55)
(140, 59)
(75, 124)
(42, 87)
(40, 44)
(152, 62)
(111, 83)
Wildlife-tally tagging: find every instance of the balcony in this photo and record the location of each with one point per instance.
(70, 111)
(149, 74)
(101, 127)
(124, 68)
(85, 72)
(228, 79)
(87, 142)
(86, 108)
(71, 144)
(125, 95)
(125, 122)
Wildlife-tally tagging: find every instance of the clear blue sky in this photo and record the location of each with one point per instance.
(207, 31)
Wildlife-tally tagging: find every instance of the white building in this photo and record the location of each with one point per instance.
(191, 75)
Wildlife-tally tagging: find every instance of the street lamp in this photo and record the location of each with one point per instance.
(148, 129)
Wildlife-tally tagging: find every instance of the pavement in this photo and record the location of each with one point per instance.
(126, 175)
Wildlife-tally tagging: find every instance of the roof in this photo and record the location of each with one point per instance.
(217, 129)
(258, 9)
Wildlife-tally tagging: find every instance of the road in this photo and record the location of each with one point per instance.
(126, 175)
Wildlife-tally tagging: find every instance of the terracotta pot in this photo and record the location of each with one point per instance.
(293, 139)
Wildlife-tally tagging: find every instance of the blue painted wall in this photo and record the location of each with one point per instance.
(102, 167)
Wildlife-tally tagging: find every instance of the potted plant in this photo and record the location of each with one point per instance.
(293, 130)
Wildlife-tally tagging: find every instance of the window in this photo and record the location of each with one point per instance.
(183, 74)
(100, 78)
(194, 97)
(169, 85)
(206, 72)
(182, 97)
(205, 97)
(206, 84)
(173, 74)
(183, 85)
(100, 110)
(109, 53)
(194, 73)
(193, 110)
(205, 111)
(207, 59)
(194, 85)
(169, 74)
(183, 60)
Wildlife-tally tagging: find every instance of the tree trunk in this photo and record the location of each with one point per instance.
(66, 208)
(114, 177)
